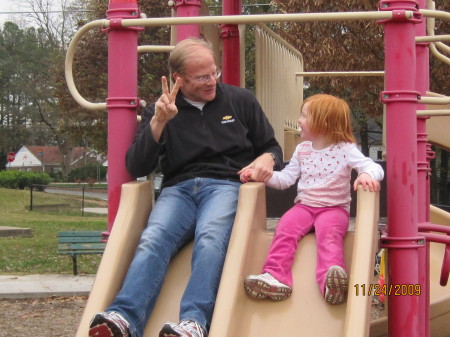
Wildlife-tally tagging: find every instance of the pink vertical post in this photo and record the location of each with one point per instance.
(231, 60)
(187, 8)
(401, 97)
(423, 168)
(122, 100)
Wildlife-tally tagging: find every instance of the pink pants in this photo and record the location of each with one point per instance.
(330, 225)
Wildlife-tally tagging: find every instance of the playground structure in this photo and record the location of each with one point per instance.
(411, 226)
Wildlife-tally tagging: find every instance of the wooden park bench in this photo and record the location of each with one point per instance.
(76, 243)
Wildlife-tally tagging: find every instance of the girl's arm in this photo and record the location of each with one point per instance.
(279, 180)
(287, 177)
(369, 172)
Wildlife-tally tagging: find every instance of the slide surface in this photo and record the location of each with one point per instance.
(235, 313)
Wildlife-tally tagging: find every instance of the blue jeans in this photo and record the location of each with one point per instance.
(202, 209)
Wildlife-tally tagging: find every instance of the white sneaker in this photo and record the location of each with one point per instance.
(336, 285)
(265, 285)
(183, 329)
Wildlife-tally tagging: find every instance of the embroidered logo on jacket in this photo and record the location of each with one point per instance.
(227, 119)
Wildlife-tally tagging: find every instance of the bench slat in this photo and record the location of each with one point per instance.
(79, 243)
(82, 246)
(82, 239)
(80, 233)
(85, 252)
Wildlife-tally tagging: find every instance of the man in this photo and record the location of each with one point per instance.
(202, 133)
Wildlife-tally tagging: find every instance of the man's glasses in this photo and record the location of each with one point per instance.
(205, 78)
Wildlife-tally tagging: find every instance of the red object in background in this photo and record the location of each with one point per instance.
(11, 156)
(381, 283)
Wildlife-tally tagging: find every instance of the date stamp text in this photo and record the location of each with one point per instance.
(387, 289)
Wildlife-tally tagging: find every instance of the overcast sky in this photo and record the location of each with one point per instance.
(10, 6)
(5, 6)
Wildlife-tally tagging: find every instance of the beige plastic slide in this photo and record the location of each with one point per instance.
(305, 311)
(236, 314)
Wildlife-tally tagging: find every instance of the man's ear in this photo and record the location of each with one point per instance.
(175, 76)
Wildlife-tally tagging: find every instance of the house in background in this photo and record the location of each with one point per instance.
(48, 159)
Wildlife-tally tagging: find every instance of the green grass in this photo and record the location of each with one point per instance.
(38, 254)
(63, 204)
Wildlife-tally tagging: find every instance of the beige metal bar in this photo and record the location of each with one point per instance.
(292, 129)
(433, 113)
(69, 63)
(443, 47)
(155, 49)
(439, 55)
(278, 90)
(339, 73)
(435, 100)
(431, 13)
(435, 38)
(275, 36)
(260, 18)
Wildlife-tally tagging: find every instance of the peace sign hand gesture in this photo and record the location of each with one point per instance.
(165, 108)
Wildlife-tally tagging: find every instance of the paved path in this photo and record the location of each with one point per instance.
(34, 286)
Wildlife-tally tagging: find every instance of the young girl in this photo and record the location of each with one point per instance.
(323, 163)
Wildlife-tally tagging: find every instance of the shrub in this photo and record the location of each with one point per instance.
(88, 173)
(22, 180)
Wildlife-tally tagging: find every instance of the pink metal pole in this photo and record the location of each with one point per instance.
(122, 100)
(401, 99)
(423, 168)
(187, 8)
(229, 33)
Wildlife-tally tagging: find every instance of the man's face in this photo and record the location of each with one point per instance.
(196, 70)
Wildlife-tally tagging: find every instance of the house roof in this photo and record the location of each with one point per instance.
(35, 155)
(47, 154)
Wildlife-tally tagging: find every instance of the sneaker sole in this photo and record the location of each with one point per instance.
(259, 289)
(101, 327)
(337, 284)
(103, 330)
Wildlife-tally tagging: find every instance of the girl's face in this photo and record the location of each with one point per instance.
(304, 124)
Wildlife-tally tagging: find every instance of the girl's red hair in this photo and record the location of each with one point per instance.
(330, 116)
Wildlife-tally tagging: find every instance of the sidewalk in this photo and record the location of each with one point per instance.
(34, 286)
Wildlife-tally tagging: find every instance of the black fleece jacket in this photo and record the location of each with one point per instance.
(217, 142)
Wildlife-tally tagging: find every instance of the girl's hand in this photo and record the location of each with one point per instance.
(246, 175)
(366, 180)
(262, 168)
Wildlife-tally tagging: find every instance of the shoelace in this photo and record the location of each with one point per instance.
(193, 328)
(120, 321)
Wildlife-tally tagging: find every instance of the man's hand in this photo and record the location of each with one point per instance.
(262, 168)
(165, 108)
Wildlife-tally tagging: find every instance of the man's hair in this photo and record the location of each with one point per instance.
(330, 116)
(185, 50)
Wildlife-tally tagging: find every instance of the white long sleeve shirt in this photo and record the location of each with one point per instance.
(324, 175)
